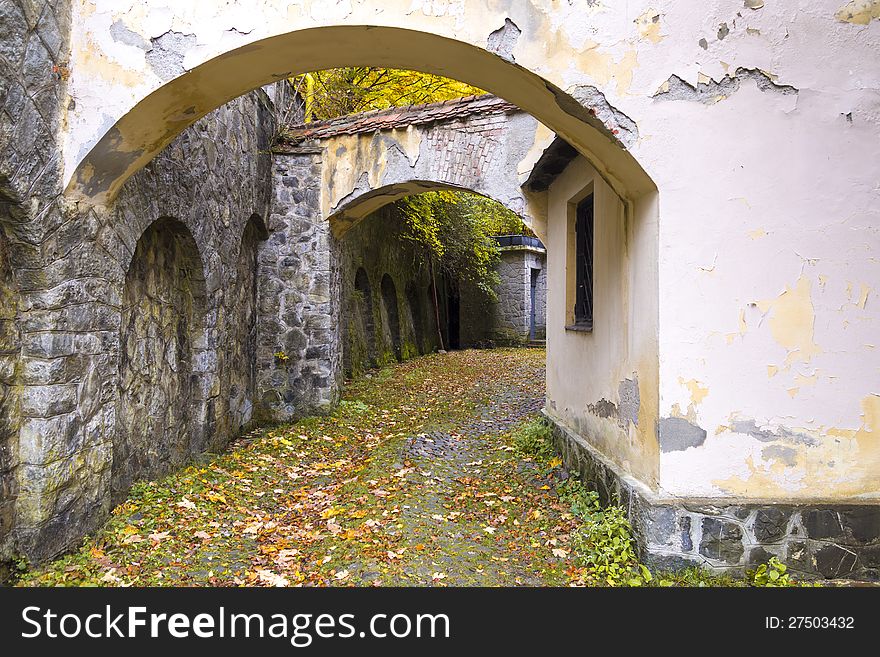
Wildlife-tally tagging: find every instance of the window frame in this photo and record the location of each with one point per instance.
(580, 311)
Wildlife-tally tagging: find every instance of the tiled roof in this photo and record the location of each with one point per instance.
(397, 117)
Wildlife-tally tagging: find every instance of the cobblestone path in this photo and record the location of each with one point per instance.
(412, 481)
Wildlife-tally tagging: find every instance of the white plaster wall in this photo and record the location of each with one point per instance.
(768, 264)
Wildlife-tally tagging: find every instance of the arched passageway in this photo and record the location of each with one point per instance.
(361, 332)
(164, 363)
(668, 382)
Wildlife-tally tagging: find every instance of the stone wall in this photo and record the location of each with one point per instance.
(506, 321)
(10, 348)
(814, 540)
(117, 342)
(33, 73)
(298, 359)
(244, 326)
(388, 309)
(162, 405)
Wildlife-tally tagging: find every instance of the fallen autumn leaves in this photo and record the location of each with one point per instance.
(339, 500)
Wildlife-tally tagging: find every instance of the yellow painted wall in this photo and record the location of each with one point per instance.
(585, 368)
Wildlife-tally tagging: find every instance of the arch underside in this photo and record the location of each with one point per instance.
(353, 210)
(152, 123)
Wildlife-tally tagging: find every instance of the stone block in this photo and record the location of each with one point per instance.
(862, 523)
(770, 524)
(833, 560)
(822, 524)
(721, 540)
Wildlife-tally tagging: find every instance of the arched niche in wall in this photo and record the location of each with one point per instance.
(391, 314)
(416, 311)
(360, 351)
(10, 355)
(241, 345)
(164, 362)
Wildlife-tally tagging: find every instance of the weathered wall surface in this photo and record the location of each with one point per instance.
(507, 320)
(161, 411)
(769, 384)
(243, 332)
(482, 153)
(603, 384)
(10, 350)
(298, 359)
(382, 278)
(33, 51)
(70, 267)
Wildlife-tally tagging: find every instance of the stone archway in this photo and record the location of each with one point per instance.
(151, 106)
(164, 361)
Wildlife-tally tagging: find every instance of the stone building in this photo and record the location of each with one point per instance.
(519, 314)
(166, 275)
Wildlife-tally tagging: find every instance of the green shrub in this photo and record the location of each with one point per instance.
(603, 544)
(533, 439)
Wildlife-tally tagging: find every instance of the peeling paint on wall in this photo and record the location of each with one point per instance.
(678, 434)
(709, 92)
(503, 40)
(791, 321)
(167, 53)
(786, 455)
(859, 12)
(750, 427)
(627, 409)
(623, 128)
(649, 25)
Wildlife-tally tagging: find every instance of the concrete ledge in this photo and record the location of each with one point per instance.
(819, 540)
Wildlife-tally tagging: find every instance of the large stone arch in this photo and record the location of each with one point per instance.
(367, 160)
(163, 417)
(148, 104)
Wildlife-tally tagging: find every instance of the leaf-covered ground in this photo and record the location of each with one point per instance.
(413, 480)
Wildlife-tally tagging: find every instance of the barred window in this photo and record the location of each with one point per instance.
(583, 307)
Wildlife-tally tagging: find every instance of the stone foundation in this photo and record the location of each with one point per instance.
(814, 540)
